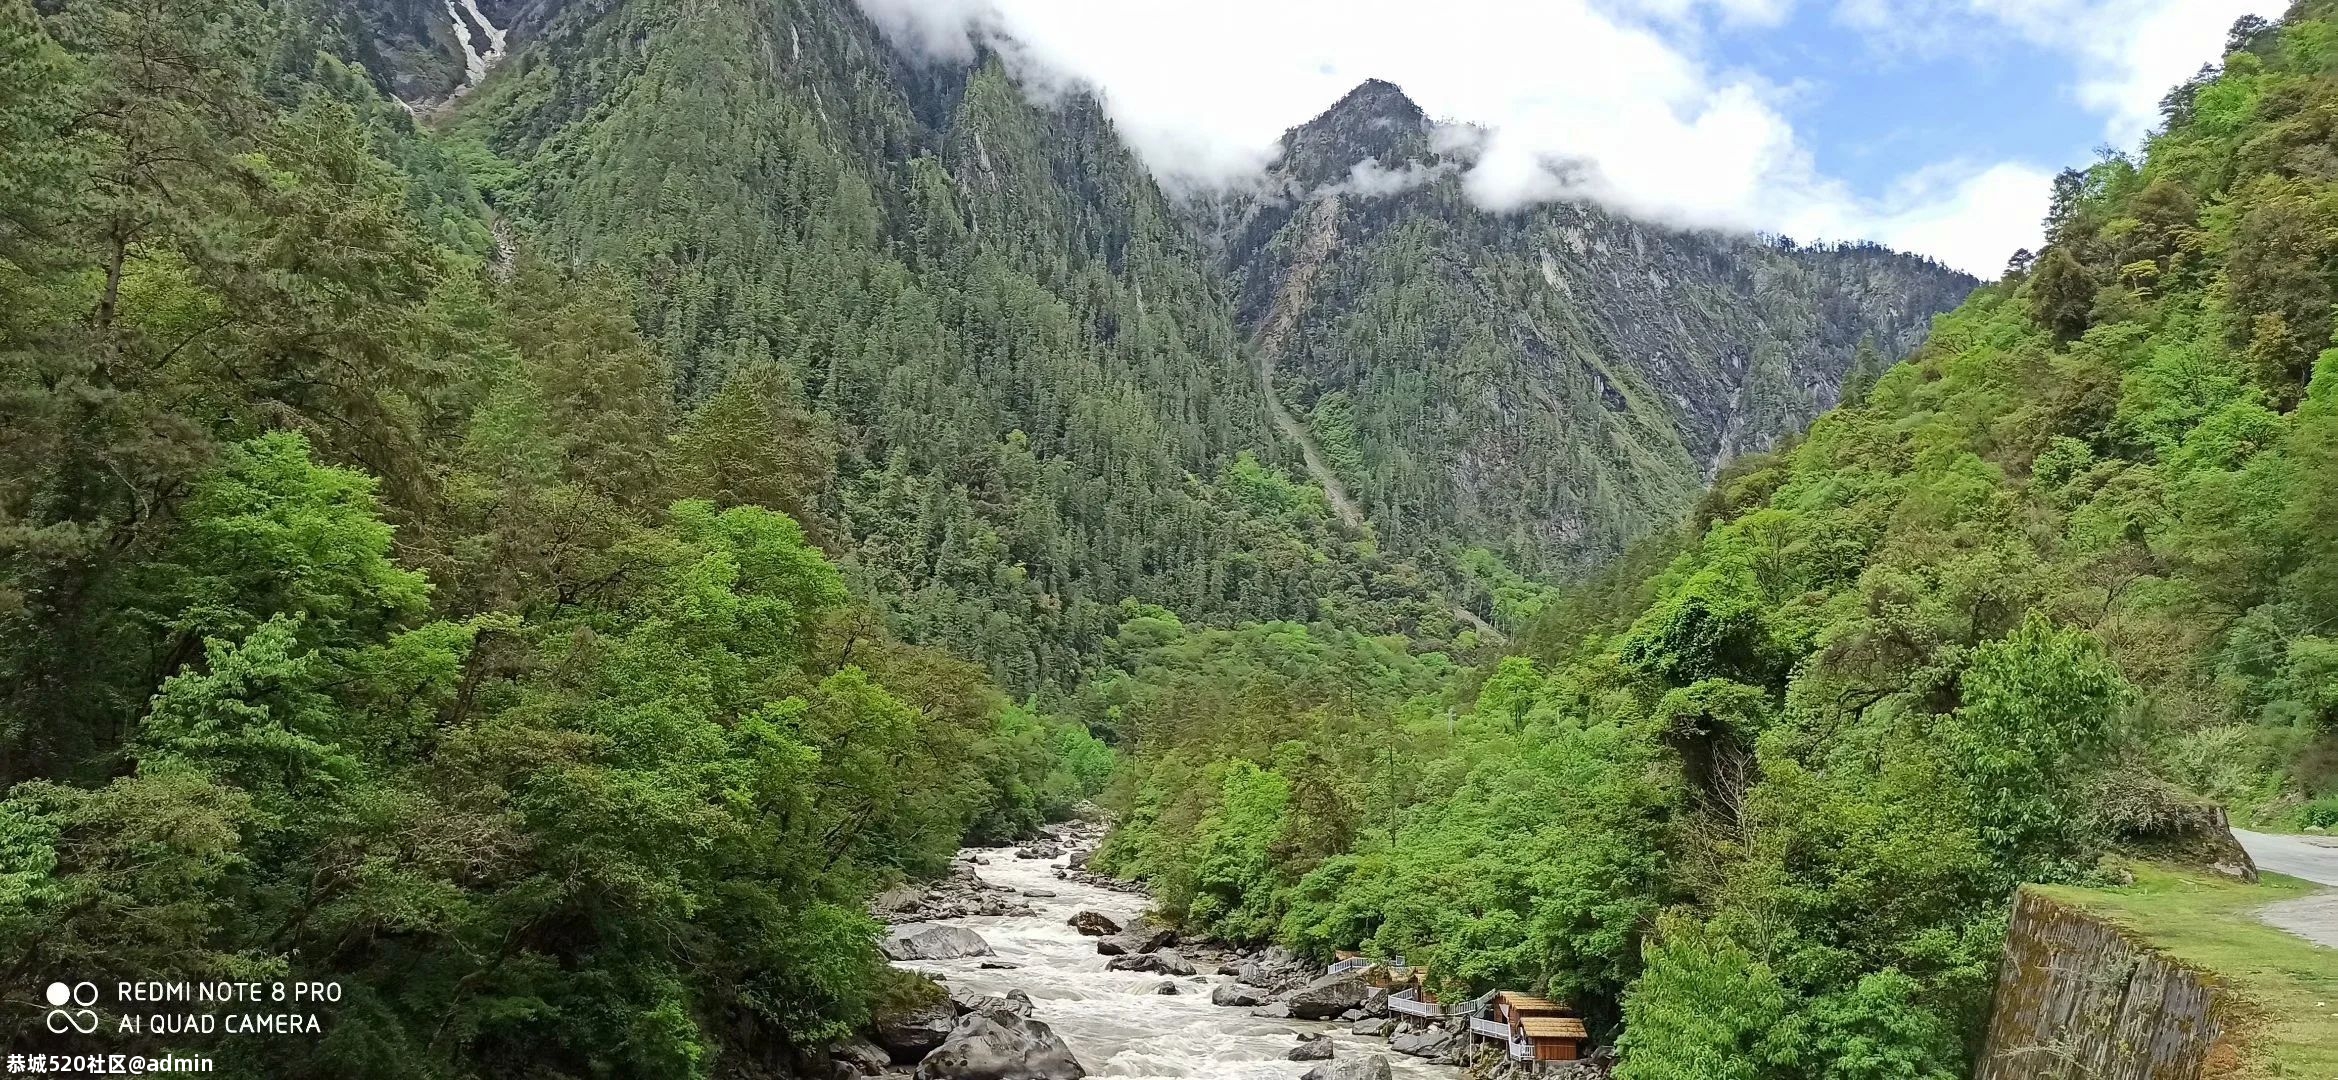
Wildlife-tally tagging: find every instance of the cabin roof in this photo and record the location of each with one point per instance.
(1551, 1027)
(1526, 1004)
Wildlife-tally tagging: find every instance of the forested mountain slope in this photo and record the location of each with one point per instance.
(1550, 383)
(1013, 391)
(1018, 372)
(547, 567)
(2055, 588)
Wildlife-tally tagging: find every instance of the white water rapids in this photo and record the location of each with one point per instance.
(1114, 1020)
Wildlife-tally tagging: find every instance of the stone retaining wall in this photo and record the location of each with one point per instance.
(2077, 999)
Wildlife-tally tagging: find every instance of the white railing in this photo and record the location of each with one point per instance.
(1521, 1050)
(1359, 963)
(1408, 1001)
(1492, 1029)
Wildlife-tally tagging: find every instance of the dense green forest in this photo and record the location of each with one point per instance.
(546, 563)
(370, 617)
(2057, 586)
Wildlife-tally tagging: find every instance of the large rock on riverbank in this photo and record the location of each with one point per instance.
(1327, 997)
(962, 894)
(911, 1034)
(1235, 995)
(1432, 1043)
(1368, 1067)
(1000, 1044)
(933, 943)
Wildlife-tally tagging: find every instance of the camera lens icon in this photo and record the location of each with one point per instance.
(82, 1018)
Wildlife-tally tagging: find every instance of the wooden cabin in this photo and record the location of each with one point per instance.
(1548, 1038)
(1533, 1028)
(1509, 1008)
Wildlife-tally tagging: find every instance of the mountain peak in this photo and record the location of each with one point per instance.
(1373, 100)
(1375, 122)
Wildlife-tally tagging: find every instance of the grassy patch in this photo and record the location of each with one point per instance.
(2210, 923)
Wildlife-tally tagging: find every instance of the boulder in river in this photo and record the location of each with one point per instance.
(859, 1057)
(1328, 996)
(1431, 1043)
(1275, 969)
(896, 899)
(1093, 924)
(1237, 996)
(1164, 962)
(1376, 1001)
(1014, 1001)
(1152, 938)
(1375, 1027)
(1167, 989)
(912, 1033)
(1110, 946)
(1311, 1048)
(999, 1044)
(1273, 1010)
(1368, 1067)
(934, 943)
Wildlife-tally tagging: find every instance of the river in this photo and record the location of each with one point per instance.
(1115, 1021)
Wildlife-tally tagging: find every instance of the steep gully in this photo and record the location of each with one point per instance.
(475, 63)
(1117, 1022)
(1274, 334)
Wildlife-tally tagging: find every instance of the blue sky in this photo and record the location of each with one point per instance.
(1870, 113)
(1931, 125)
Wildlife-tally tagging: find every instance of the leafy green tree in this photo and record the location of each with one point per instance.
(2062, 293)
(2039, 709)
(1704, 1008)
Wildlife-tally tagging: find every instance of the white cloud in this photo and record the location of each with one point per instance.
(1734, 12)
(1970, 218)
(1371, 180)
(2133, 56)
(1610, 100)
(937, 28)
(2127, 53)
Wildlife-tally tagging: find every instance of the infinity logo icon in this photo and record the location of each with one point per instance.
(82, 1019)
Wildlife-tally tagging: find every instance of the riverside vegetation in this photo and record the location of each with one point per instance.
(1757, 795)
(558, 642)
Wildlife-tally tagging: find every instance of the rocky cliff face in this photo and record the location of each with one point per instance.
(1549, 383)
(2076, 999)
(415, 48)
